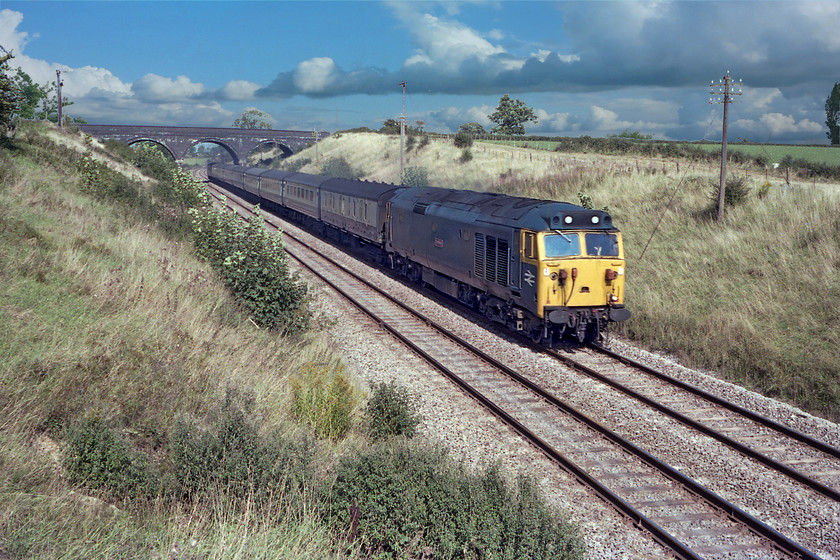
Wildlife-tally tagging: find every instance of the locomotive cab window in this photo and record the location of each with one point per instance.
(561, 245)
(601, 244)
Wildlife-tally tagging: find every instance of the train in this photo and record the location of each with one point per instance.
(551, 271)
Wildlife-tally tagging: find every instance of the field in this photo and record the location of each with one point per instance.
(774, 153)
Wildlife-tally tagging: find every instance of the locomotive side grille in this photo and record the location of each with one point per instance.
(491, 258)
(502, 262)
(479, 255)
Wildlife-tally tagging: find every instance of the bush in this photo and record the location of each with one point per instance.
(231, 456)
(295, 166)
(324, 399)
(415, 177)
(391, 412)
(466, 155)
(253, 265)
(413, 502)
(463, 140)
(737, 191)
(98, 458)
(339, 167)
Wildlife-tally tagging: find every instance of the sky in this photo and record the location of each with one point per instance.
(586, 68)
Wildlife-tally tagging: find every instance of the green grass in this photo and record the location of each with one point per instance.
(775, 153)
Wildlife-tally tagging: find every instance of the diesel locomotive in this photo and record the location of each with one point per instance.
(552, 271)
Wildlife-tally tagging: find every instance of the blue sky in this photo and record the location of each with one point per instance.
(586, 68)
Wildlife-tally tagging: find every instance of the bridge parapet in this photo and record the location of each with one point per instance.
(239, 142)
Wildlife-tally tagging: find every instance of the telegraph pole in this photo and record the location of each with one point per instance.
(402, 129)
(723, 87)
(58, 91)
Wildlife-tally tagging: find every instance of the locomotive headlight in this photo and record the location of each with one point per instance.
(595, 219)
(567, 220)
(613, 298)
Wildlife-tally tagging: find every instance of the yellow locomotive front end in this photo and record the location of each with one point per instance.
(579, 281)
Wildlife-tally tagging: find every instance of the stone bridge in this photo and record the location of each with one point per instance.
(238, 142)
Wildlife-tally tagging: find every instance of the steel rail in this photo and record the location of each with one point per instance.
(769, 462)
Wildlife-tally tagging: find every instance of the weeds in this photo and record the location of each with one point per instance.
(324, 399)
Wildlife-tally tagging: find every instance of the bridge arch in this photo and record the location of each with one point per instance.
(219, 143)
(155, 142)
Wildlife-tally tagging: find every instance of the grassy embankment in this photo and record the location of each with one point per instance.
(144, 414)
(752, 297)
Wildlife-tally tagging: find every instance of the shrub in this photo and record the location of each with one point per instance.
(391, 412)
(152, 161)
(463, 140)
(339, 167)
(324, 399)
(404, 501)
(737, 191)
(409, 143)
(98, 458)
(230, 455)
(466, 155)
(415, 177)
(253, 265)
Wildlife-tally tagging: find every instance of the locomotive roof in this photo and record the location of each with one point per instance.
(500, 209)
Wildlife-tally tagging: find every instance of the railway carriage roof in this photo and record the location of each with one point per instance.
(363, 189)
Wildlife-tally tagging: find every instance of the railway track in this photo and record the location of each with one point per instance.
(677, 511)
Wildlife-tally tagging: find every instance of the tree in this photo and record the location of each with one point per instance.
(832, 115)
(390, 126)
(472, 128)
(253, 118)
(511, 115)
(9, 96)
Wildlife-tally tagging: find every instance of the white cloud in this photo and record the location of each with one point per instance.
(777, 124)
(239, 90)
(154, 88)
(10, 37)
(315, 75)
(447, 44)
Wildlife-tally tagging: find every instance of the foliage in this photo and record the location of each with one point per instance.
(832, 115)
(10, 96)
(296, 165)
(231, 455)
(396, 500)
(339, 167)
(466, 156)
(635, 134)
(253, 265)
(463, 140)
(737, 191)
(98, 458)
(511, 115)
(151, 159)
(32, 94)
(324, 399)
(391, 411)
(415, 177)
(472, 128)
(392, 126)
(253, 119)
